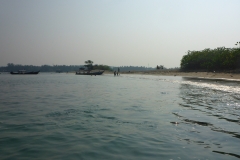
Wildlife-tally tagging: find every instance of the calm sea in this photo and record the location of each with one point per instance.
(127, 117)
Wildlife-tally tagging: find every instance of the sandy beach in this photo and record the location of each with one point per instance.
(207, 75)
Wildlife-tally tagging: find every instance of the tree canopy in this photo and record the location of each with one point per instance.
(212, 59)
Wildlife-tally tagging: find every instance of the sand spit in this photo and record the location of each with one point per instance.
(207, 75)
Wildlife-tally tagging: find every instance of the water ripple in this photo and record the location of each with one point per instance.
(64, 116)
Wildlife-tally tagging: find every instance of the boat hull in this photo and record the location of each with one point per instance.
(19, 73)
(90, 73)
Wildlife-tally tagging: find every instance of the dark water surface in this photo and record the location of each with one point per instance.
(67, 116)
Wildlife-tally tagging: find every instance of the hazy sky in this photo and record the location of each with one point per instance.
(114, 32)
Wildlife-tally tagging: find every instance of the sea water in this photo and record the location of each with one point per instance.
(67, 116)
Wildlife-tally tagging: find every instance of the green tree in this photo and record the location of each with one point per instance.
(220, 58)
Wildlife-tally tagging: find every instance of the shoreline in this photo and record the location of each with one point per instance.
(197, 75)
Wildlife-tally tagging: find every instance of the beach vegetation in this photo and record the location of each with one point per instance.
(220, 58)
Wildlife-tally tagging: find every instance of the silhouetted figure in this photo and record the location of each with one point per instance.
(114, 73)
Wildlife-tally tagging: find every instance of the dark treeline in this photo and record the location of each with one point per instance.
(47, 68)
(212, 59)
(132, 68)
(64, 68)
(43, 68)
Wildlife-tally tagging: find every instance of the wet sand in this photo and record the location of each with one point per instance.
(207, 75)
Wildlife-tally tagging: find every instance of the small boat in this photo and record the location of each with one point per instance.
(89, 72)
(21, 72)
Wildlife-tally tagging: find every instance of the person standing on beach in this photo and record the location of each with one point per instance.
(114, 73)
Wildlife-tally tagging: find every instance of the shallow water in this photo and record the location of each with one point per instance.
(67, 116)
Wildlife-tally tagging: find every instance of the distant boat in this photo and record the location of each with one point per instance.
(21, 72)
(89, 72)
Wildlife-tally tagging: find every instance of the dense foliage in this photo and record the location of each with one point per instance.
(212, 59)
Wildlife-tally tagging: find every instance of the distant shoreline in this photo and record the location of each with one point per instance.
(200, 75)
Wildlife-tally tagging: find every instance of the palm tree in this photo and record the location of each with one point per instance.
(88, 62)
